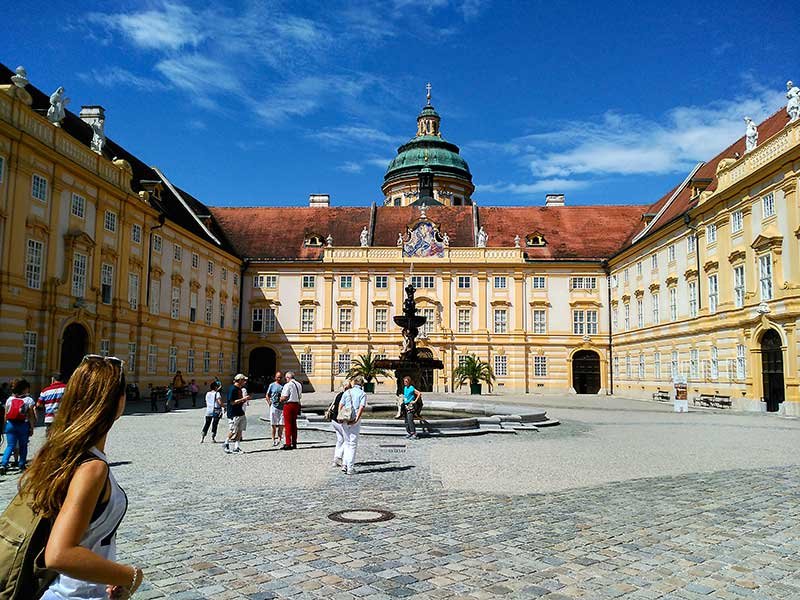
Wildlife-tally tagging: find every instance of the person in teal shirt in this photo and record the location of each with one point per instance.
(410, 396)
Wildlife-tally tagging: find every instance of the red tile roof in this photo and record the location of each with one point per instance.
(588, 232)
(456, 221)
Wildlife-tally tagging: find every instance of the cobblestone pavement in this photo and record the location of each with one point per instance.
(255, 526)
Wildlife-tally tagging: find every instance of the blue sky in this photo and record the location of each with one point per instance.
(262, 103)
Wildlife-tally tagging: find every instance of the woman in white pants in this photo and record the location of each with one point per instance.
(352, 403)
(338, 427)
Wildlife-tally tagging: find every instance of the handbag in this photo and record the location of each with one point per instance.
(332, 412)
(345, 412)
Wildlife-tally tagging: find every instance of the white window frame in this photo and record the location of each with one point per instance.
(193, 299)
(673, 304)
(190, 361)
(500, 365)
(538, 282)
(430, 317)
(136, 233)
(307, 363)
(131, 365)
(626, 307)
(220, 362)
(381, 282)
(671, 253)
(133, 290)
(209, 311)
(500, 282)
(381, 319)
(34, 264)
(210, 268)
(152, 359)
(345, 319)
(222, 316)
(694, 363)
(737, 221)
(711, 234)
(768, 205)
(641, 372)
(654, 262)
(692, 291)
(172, 362)
(30, 340)
(39, 186)
(741, 362)
(583, 283)
(309, 282)
(640, 312)
(655, 300)
(713, 293)
(77, 207)
(80, 271)
(206, 361)
(345, 282)
(158, 243)
(639, 269)
(110, 221)
(539, 320)
(175, 302)
(739, 286)
(344, 361)
(464, 282)
(420, 282)
(257, 317)
(691, 243)
(501, 320)
(155, 296)
(714, 363)
(177, 253)
(107, 280)
(464, 320)
(307, 314)
(540, 366)
(657, 365)
(765, 276)
(674, 365)
(195, 260)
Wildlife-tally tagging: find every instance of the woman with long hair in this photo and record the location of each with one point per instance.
(69, 482)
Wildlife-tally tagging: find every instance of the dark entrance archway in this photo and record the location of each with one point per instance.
(772, 369)
(74, 345)
(586, 372)
(426, 375)
(261, 369)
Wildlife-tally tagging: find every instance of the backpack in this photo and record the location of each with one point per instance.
(23, 537)
(332, 412)
(17, 410)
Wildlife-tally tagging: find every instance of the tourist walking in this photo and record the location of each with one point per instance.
(20, 419)
(69, 482)
(411, 396)
(194, 390)
(290, 396)
(213, 411)
(333, 414)
(237, 421)
(351, 407)
(50, 398)
(276, 408)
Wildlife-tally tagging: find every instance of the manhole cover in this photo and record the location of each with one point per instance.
(364, 515)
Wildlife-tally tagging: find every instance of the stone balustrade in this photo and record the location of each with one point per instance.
(357, 254)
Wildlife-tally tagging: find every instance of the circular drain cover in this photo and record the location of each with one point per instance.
(364, 515)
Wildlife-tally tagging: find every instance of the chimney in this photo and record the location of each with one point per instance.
(90, 114)
(319, 200)
(554, 200)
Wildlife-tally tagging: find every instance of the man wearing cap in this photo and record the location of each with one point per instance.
(290, 396)
(236, 419)
(50, 398)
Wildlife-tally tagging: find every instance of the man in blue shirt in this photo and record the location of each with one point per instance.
(353, 402)
(410, 396)
(276, 408)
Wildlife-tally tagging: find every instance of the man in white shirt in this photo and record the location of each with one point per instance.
(290, 396)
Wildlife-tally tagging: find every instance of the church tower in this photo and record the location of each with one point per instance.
(428, 168)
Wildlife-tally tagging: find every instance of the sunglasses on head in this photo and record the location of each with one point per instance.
(112, 359)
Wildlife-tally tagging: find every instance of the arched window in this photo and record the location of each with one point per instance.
(314, 240)
(535, 239)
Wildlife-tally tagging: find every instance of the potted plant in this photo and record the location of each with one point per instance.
(365, 366)
(474, 370)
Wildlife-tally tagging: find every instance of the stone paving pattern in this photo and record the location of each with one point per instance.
(730, 533)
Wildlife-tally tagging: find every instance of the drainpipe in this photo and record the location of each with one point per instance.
(607, 271)
(687, 220)
(243, 268)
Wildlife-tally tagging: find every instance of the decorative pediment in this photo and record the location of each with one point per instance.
(108, 251)
(587, 303)
(156, 271)
(654, 287)
(39, 227)
(177, 279)
(423, 239)
(500, 302)
(381, 302)
(223, 295)
(690, 274)
(134, 262)
(427, 300)
(210, 291)
(711, 265)
(626, 298)
(346, 302)
(194, 285)
(736, 256)
(464, 302)
(535, 240)
(308, 302)
(540, 304)
(639, 293)
(769, 240)
(671, 280)
(614, 303)
(76, 238)
(264, 302)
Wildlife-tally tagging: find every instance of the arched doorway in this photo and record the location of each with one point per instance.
(261, 369)
(426, 375)
(586, 372)
(74, 345)
(772, 369)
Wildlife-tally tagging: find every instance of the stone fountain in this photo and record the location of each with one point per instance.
(409, 364)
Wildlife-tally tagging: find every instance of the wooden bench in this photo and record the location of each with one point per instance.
(713, 401)
(661, 396)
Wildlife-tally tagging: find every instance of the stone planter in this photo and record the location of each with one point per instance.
(475, 388)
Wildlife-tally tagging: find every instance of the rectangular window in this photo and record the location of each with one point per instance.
(768, 205)
(422, 281)
(500, 283)
(235, 284)
(224, 274)
(464, 282)
(192, 307)
(625, 276)
(345, 319)
(39, 188)
(738, 286)
(381, 319)
(500, 320)
(234, 362)
(671, 253)
(33, 264)
(346, 282)
(583, 283)
(133, 290)
(195, 260)
(673, 365)
(627, 315)
(78, 206)
(640, 313)
(258, 281)
(714, 363)
(307, 363)
(692, 298)
(381, 282)
(430, 318)
(765, 276)
(110, 221)
(615, 318)
(175, 303)
(306, 320)
(177, 253)
(654, 262)
(616, 367)
(158, 243)
(210, 269)
(209, 311)
(79, 263)
(641, 366)
(131, 366)
(614, 282)
(578, 322)
(206, 361)
(691, 243)
(270, 322)
(190, 361)
(464, 320)
(713, 293)
(639, 269)
(136, 234)
(657, 365)
(173, 359)
(501, 366)
(309, 282)
(740, 362)
(221, 316)
(655, 300)
(539, 320)
(152, 358)
(343, 364)
(540, 366)
(29, 340)
(220, 362)
(155, 296)
(737, 221)
(628, 370)
(106, 283)
(673, 304)
(257, 323)
(538, 282)
(694, 363)
(591, 322)
(235, 318)
(711, 233)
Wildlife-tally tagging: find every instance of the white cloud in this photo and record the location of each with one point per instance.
(349, 134)
(115, 76)
(299, 97)
(351, 167)
(171, 27)
(546, 186)
(198, 74)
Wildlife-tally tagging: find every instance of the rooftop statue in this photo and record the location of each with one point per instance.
(750, 136)
(445, 240)
(364, 238)
(98, 135)
(516, 241)
(399, 240)
(58, 107)
(483, 237)
(793, 101)
(20, 78)
(329, 241)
